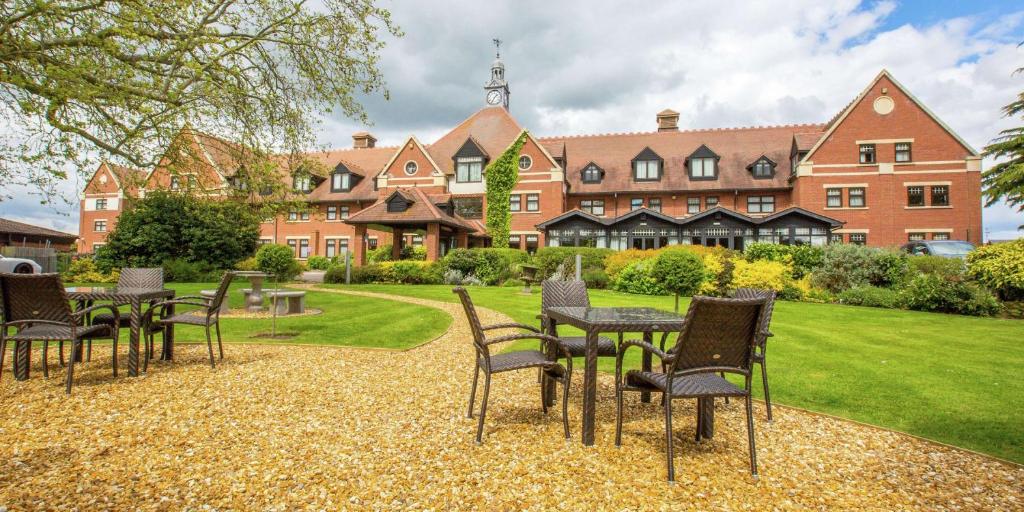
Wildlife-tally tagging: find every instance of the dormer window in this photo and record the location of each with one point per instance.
(647, 166)
(592, 173)
(302, 182)
(702, 164)
(469, 169)
(763, 168)
(341, 182)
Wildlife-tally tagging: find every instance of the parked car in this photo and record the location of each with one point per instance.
(943, 248)
(19, 266)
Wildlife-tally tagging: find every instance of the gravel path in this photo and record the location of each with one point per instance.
(326, 428)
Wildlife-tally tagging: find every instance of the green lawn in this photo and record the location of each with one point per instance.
(949, 378)
(347, 320)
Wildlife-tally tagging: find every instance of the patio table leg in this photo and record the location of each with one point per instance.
(76, 350)
(549, 384)
(706, 417)
(590, 389)
(133, 343)
(20, 361)
(645, 396)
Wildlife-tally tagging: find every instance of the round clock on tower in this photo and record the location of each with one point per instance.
(497, 87)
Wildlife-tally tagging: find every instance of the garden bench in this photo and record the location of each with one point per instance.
(210, 294)
(295, 303)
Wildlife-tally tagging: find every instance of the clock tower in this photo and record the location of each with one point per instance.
(497, 88)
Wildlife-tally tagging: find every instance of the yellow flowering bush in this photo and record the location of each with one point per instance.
(764, 274)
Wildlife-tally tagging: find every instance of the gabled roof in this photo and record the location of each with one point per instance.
(736, 148)
(20, 228)
(435, 169)
(647, 212)
(363, 161)
(570, 214)
(718, 210)
(838, 120)
(796, 210)
(421, 211)
(492, 128)
(806, 141)
(127, 179)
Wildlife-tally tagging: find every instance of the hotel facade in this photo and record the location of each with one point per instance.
(883, 171)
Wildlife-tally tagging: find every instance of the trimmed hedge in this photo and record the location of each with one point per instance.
(871, 296)
(548, 259)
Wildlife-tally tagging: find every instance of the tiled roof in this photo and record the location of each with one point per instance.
(806, 141)
(129, 178)
(492, 128)
(20, 228)
(366, 162)
(736, 147)
(421, 210)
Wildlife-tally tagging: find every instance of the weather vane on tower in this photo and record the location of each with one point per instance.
(497, 87)
(497, 48)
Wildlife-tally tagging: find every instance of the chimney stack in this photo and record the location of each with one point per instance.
(361, 140)
(668, 121)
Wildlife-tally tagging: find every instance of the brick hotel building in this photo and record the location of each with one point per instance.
(882, 171)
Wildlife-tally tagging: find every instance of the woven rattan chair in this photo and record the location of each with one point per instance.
(129, 278)
(508, 361)
(718, 336)
(38, 307)
(571, 294)
(208, 315)
(763, 334)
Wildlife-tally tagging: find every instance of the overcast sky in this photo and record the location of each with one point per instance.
(589, 66)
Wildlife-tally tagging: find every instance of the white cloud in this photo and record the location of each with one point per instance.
(588, 66)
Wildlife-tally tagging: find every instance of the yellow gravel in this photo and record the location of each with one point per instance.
(322, 428)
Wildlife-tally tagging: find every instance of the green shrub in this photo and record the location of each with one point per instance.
(248, 264)
(335, 274)
(872, 296)
(763, 274)
(803, 258)
(414, 252)
(84, 270)
(927, 264)
(278, 261)
(845, 266)
(490, 265)
(318, 263)
(182, 271)
(931, 292)
(409, 272)
(548, 259)
(1000, 267)
(638, 278)
(379, 255)
(373, 273)
(679, 272)
(817, 295)
(595, 278)
(617, 261)
(514, 283)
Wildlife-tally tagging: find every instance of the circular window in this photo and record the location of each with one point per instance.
(411, 168)
(525, 163)
(884, 105)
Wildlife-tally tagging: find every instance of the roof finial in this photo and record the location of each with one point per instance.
(497, 48)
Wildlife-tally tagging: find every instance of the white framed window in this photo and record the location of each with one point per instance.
(101, 204)
(710, 202)
(341, 182)
(411, 168)
(858, 238)
(515, 203)
(867, 154)
(525, 162)
(636, 203)
(915, 196)
(763, 169)
(654, 204)
(692, 205)
(591, 174)
(593, 206)
(332, 212)
(915, 237)
(343, 211)
(940, 236)
(940, 195)
(469, 169)
(302, 183)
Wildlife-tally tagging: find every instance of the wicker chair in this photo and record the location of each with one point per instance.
(518, 360)
(571, 294)
(39, 308)
(209, 316)
(763, 335)
(718, 336)
(129, 278)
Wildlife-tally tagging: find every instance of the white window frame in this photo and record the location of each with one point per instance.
(469, 169)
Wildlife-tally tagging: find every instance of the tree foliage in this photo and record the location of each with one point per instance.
(1005, 180)
(166, 226)
(502, 175)
(82, 80)
(679, 272)
(278, 261)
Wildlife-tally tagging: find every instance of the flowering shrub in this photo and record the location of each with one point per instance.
(1000, 267)
(763, 274)
(638, 278)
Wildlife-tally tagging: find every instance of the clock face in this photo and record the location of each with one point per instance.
(494, 97)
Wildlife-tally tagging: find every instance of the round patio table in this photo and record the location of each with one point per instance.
(254, 303)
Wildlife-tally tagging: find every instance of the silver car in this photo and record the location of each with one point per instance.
(943, 248)
(19, 266)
